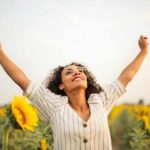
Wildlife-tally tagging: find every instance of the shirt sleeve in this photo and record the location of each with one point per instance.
(111, 93)
(41, 98)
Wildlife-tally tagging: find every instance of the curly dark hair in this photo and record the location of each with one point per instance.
(54, 80)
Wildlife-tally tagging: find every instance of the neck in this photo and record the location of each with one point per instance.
(77, 100)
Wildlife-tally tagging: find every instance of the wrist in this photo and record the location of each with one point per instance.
(144, 51)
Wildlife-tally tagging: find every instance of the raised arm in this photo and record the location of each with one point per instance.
(129, 72)
(13, 71)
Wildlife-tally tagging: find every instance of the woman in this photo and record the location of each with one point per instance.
(75, 105)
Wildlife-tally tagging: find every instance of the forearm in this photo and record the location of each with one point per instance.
(129, 72)
(13, 71)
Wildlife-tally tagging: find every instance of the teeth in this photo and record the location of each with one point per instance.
(77, 79)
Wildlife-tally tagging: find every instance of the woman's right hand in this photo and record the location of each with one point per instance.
(13, 71)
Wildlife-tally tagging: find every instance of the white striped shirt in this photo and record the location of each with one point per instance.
(70, 131)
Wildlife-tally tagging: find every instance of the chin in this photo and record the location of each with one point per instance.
(80, 86)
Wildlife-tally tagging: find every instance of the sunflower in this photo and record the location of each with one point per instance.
(24, 114)
(146, 122)
(2, 111)
(143, 113)
(43, 144)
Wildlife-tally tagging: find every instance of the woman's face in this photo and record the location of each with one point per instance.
(73, 78)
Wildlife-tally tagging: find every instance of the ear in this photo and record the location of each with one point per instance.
(61, 86)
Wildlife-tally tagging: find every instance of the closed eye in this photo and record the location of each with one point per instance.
(69, 72)
(81, 71)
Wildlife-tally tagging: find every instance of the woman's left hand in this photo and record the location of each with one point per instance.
(143, 43)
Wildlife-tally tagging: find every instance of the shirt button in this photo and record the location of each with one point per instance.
(85, 141)
(84, 125)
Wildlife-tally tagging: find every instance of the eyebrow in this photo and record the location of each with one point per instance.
(72, 69)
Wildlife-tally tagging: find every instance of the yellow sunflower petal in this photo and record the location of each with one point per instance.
(43, 144)
(24, 113)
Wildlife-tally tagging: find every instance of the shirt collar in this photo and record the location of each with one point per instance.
(93, 99)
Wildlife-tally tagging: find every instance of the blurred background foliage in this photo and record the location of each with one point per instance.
(129, 125)
(25, 140)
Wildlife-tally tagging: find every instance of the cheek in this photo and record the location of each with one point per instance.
(66, 81)
(63, 78)
(86, 80)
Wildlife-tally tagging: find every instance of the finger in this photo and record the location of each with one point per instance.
(145, 37)
(141, 36)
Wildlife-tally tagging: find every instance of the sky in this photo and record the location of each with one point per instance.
(39, 35)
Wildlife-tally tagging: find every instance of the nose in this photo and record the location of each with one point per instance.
(77, 72)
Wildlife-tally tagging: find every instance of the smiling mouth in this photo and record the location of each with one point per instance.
(77, 79)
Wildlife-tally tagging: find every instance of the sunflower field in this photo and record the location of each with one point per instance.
(129, 125)
(21, 129)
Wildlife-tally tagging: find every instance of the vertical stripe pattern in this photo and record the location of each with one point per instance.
(70, 131)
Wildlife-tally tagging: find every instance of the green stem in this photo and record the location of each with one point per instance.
(5, 138)
(45, 130)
